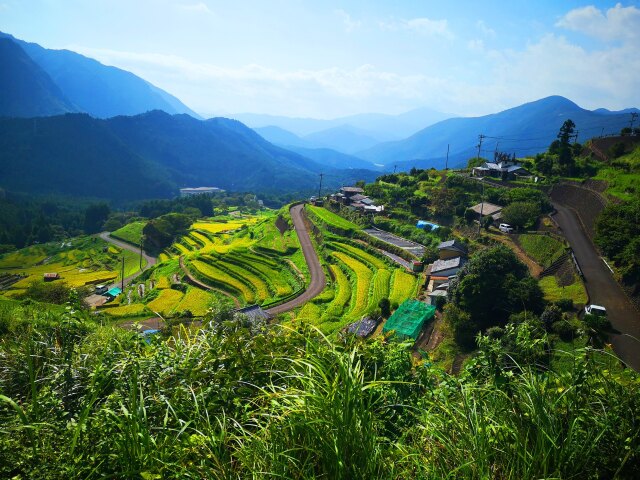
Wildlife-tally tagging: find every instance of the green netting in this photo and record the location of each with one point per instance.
(409, 318)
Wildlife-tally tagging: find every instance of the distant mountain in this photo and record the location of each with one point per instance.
(524, 130)
(25, 89)
(614, 112)
(381, 126)
(97, 89)
(344, 138)
(333, 158)
(150, 156)
(282, 137)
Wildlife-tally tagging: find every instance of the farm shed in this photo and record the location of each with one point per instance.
(363, 328)
(114, 292)
(49, 277)
(409, 318)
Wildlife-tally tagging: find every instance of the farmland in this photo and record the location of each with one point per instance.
(131, 233)
(79, 262)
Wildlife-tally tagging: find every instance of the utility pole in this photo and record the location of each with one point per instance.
(602, 133)
(575, 137)
(634, 115)
(320, 187)
(481, 138)
(394, 168)
(141, 242)
(481, 205)
(495, 152)
(446, 163)
(122, 281)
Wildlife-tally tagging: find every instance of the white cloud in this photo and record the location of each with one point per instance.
(199, 7)
(617, 23)
(485, 30)
(421, 25)
(349, 23)
(476, 45)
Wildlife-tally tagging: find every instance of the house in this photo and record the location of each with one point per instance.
(50, 277)
(447, 268)
(189, 191)
(485, 209)
(502, 167)
(452, 249)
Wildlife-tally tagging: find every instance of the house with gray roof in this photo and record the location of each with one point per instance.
(452, 249)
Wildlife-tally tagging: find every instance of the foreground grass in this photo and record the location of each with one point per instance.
(236, 400)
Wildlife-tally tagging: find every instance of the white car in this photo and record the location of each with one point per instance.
(505, 227)
(596, 310)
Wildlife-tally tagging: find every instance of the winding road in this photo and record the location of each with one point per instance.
(318, 278)
(603, 289)
(127, 246)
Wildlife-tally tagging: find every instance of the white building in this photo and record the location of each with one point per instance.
(187, 192)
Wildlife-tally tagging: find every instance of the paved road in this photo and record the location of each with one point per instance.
(318, 279)
(127, 246)
(603, 289)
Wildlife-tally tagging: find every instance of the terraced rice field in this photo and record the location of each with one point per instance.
(222, 280)
(403, 286)
(166, 302)
(361, 281)
(331, 219)
(83, 261)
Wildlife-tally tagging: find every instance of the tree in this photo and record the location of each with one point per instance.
(385, 307)
(565, 153)
(521, 214)
(493, 285)
(94, 217)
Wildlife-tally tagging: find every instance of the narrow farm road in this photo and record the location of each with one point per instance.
(318, 279)
(603, 289)
(127, 246)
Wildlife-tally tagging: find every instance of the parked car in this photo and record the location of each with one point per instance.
(595, 310)
(505, 227)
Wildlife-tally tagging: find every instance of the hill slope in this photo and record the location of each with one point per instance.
(523, 130)
(25, 89)
(149, 155)
(98, 89)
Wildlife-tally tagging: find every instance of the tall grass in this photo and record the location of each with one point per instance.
(236, 400)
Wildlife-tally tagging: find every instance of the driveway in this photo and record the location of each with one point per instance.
(318, 279)
(603, 289)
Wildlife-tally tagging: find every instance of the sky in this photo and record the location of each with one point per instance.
(326, 59)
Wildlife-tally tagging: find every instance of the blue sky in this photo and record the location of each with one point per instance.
(330, 58)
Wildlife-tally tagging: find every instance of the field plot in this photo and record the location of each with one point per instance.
(543, 249)
(79, 262)
(361, 280)
(332, 220)
(131, 232)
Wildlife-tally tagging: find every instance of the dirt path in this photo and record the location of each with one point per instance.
(603, 288)
(318, 279)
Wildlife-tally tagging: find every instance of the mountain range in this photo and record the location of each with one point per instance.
(40, 81)
(524, 130)
(150, 156)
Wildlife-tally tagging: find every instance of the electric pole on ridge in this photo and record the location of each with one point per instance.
(320, 187)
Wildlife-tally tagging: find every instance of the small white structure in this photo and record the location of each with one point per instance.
(187, 192)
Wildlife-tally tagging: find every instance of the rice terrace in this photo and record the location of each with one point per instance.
(330, 240)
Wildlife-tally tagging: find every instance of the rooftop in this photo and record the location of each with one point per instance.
(254, 312)
(487, 209)
(453, 245)
(442, 265)
(351, 190)
(363, 328)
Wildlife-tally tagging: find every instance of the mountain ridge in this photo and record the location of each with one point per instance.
(100, 90)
